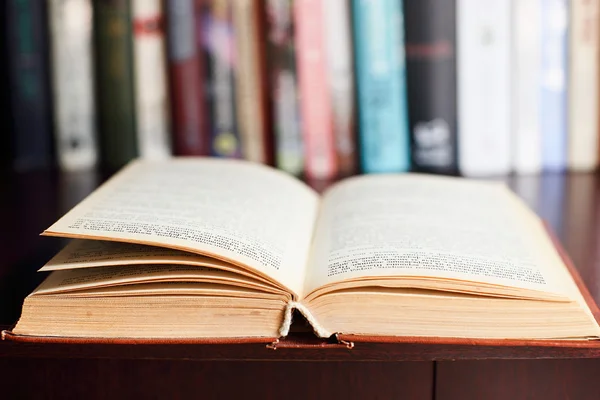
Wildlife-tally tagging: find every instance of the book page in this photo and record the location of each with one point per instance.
(240, 212)
(439, 227)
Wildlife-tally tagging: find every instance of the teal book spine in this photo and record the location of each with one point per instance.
(381, 85)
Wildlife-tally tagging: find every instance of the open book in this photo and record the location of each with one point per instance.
(205, 248)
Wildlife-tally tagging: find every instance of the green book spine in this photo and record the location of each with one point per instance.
(114, 82)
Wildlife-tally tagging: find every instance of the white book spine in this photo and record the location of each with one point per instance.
(152, 107)
(483, 65)
(583, 85)
(72, 83)
(526, 75)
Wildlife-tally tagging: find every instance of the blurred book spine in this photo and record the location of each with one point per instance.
(526, 75)
(315, 101)
(380, 74)
(73, 83)
(431, 80)
(553, 107)
(29, 92)
(151, 98)
(188, 106)
(341, 83)
(583, 85)
(114, 82)
(251, 87)
(283, 89)
(484, 81)
(218, 39)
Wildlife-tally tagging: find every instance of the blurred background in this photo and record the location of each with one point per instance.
(318, 88)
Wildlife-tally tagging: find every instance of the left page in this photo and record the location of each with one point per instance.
(240, 212)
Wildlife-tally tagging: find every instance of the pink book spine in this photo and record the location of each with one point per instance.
(315, 103)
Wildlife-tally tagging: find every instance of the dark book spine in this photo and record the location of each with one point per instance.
(430, 34)
(114, 82)
(188, 106)
(29, 92)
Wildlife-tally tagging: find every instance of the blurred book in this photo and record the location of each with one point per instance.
(430, 27)
(484, 81)
(251, 88)
(553, 107)
(583, 85)
(315, 98)
(115, 82)
(151, 101)
(283, 88)
(73, 83)
(30, 119)
(380, 75)
(526, 76)
(190, 130)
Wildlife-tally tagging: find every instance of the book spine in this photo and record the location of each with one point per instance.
(315, 100)
(284, 86)
(380, 74)
(151, 101)
(218, 42)
(250, 88)
(484, 81)
(341, 83)
(114, 82)
(526, 44)
(430, 27)
(583, 85)
(72, 83)
(553, 107)
(188, 106)
(29, 92)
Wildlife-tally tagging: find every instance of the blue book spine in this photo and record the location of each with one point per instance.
(553, 85)
(381, 85)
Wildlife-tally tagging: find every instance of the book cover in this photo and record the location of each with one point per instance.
(430, 42)
(553, 89)
(151, 96)
(526, 75)
(583, 86)
(484, 83)
(283, 86)
(114, 82)
(341, 83)
(315, 101)
(28, 77)
(73, 83)
(188, 105)
(381, 86)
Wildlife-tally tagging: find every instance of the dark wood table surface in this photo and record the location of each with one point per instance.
(30, 202)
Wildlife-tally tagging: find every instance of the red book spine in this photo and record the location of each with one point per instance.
(189, 114)
(315, 101)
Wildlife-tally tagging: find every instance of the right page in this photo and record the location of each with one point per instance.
(390, 226)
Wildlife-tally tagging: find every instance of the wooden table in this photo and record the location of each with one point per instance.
(31, 202)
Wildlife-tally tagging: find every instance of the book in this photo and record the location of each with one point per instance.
(250, 80)
(73, 83)
(340, 78)
(283, 86)
(320, 160)
(228, 249)
(553, 82)
(381, 86)
(526, 75)
(151, 95)
(189, 112)
(113, 46)
(484, 83)
(583, 86)
(430, 43)
(29, 101)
